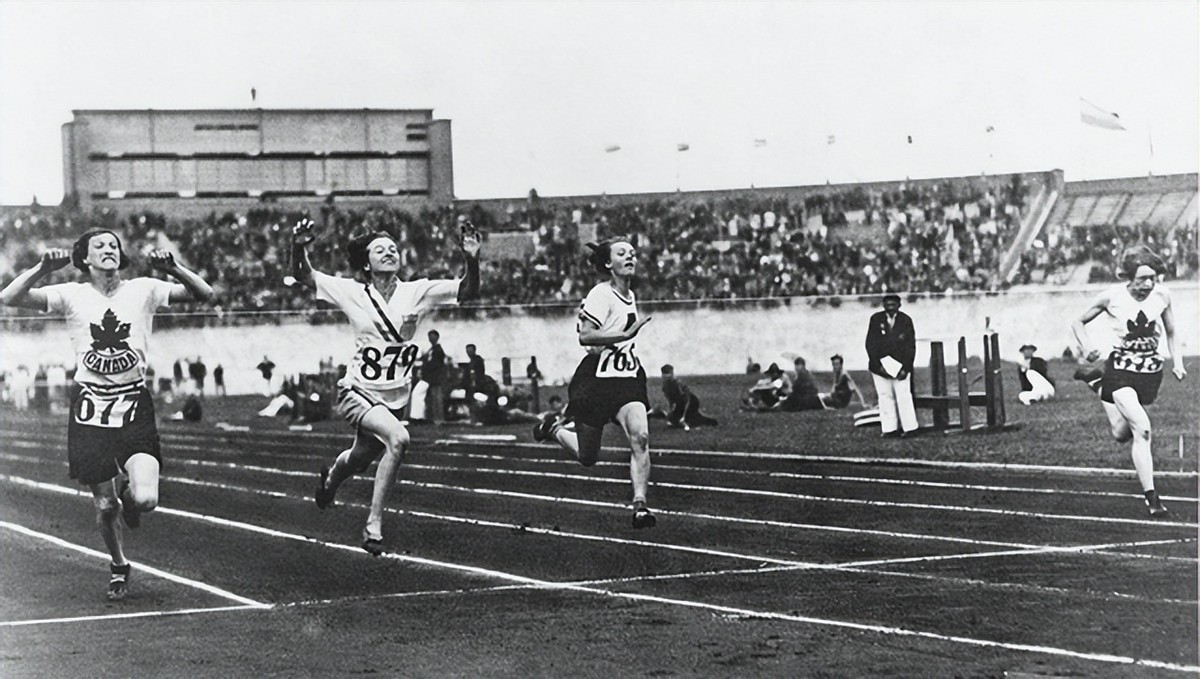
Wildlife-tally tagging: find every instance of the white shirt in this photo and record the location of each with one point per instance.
(609, 311)
(1138, 328)
(109, 333)
(383, 354)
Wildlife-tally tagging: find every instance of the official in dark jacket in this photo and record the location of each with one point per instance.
(891, 349)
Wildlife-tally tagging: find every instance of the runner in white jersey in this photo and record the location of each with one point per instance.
(112, 438)
(1141, 314)
(610, 384)
(384, 312)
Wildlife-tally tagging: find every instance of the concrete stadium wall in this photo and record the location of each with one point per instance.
(697, 338)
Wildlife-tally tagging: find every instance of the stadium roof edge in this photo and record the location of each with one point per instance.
(78, 111)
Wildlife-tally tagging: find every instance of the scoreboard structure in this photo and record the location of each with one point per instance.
(182, 161)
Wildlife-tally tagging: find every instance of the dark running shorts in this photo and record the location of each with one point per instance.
(103, 432)
(1145, 384)
(595, 401)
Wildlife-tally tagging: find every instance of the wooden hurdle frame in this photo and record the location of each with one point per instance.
(991, 398)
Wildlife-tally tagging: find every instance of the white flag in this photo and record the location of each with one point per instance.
(1092, 114)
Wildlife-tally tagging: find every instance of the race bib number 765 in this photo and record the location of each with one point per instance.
(110, 412)
(616, 361)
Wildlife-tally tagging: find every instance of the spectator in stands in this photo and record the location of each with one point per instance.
(891, 348)
(1034, 373)
(843, 387)
(683, 407)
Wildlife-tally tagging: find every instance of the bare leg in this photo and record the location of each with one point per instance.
(1138, 421)
(1116, 422)
(632, 418)
(108, 511)
(385, 427)
(142, 469)
(583, 443)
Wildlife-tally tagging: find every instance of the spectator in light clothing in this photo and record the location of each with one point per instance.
(891, 349)
(1036, 384)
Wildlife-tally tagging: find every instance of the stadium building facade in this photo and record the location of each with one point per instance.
(198, 160)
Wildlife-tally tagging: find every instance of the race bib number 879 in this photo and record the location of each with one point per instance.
(386, 363)
(110, 412)
(616, 361)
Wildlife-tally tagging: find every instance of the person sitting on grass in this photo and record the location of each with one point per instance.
(843, 387)
(767, 392)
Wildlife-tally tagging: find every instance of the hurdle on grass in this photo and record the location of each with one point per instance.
(941, 402)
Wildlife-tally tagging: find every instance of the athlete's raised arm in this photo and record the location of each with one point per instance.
(468, 290)
(20, 292)
(302, 235)
(191, 286)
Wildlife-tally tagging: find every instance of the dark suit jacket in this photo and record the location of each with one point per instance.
(899, 342)
(1037, 364)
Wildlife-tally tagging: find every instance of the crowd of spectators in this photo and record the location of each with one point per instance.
(921, 237)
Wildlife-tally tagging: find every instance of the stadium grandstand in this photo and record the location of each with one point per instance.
(927, 236)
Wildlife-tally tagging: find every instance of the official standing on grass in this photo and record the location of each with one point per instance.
(891, 349)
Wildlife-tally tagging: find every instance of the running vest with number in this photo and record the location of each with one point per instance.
(1138, 328)
(384, 353)
(611, 312)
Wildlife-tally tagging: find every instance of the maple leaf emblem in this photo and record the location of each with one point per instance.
(1142, 333)
(110, 334)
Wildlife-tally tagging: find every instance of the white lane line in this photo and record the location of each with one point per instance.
(812, 498)
(871, 480)
(796, 457)
(123, 616)
(141, 567)
(602, 504)
(685, 603)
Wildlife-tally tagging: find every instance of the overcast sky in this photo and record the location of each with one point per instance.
(537, 90)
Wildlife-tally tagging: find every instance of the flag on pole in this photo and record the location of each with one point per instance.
(759, 143)
(612, 148)
(1095, 116)
(682, 147)
(830, 140)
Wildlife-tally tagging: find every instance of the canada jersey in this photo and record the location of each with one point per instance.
(611, 312)
(109, 334)
(1138, 328)
(383, 350)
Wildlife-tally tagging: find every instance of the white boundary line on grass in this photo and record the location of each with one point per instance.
(685, 603)
(141, 567)
(124, 616)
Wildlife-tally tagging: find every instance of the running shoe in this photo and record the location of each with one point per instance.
(323, 495)
(130, 514)
(372, 544)
(118, 582)
(642, 518)
(1154, 504)
(544, 429)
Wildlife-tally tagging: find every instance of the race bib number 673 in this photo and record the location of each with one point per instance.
(110, 412)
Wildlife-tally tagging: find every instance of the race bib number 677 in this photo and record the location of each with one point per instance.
(110, 412)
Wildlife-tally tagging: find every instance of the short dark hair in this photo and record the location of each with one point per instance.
(667, 368)
(79, 250)
(435, 333)
(891, 298)
(356, 249)
(837, 357)
(1139, 256)
(601, 252)
(471, 346)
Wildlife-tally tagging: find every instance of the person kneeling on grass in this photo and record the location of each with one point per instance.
(683, 406)
(1034, 374)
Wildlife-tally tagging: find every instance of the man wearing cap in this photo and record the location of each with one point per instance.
(1036, 384)
(891, 349)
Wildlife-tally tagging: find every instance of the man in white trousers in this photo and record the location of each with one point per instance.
(891, 349)
(1034, 374)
